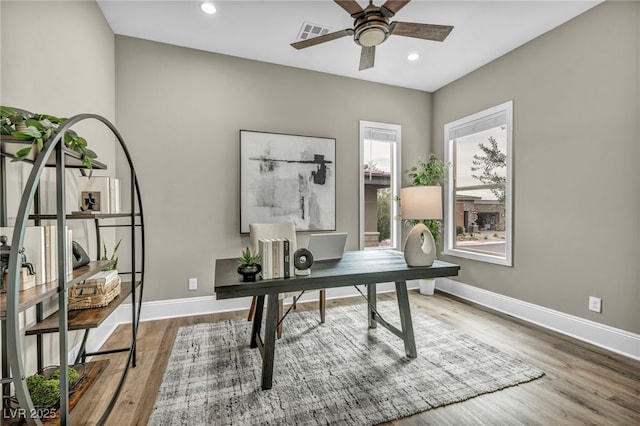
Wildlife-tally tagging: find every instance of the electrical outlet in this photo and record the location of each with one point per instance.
(595, 304)
(193, 283)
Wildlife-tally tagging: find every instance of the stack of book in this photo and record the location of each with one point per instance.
(276, 258)
(95, 292)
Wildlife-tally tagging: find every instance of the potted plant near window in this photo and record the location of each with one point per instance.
(432, 172)
(249, 265)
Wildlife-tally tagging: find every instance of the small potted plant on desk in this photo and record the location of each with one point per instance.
(249, 265)
(432, 172)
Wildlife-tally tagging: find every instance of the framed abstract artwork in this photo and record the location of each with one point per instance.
(287, 178)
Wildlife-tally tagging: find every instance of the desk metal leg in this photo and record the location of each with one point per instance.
(372, 296)
(269, 341)
(405, 319)
(257, 322)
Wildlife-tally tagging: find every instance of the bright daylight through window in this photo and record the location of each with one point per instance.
(478, 206)
(379, 185)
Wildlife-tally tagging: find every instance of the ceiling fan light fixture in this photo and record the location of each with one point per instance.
(372, 36)
(371, 27)
(208, 7)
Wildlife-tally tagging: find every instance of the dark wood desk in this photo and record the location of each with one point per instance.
(355, 268)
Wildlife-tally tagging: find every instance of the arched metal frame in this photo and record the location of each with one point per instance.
(14, 352)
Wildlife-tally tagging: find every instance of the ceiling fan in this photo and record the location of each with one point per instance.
(371, 27)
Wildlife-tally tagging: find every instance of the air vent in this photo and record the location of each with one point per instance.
(309, 30)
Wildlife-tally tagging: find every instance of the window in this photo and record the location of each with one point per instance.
(478, 201)
(380, 176)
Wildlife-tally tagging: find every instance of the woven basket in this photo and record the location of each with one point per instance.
(93, 294)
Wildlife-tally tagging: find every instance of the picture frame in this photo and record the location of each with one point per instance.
(287, 178)
(94, 194)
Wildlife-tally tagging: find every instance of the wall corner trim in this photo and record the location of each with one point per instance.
(604, 336)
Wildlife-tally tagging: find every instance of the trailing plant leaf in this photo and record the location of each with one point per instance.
(51, 118)
(6, 111)
(41, 128)
(34, 123)
(21, 136)
(22, 153)
(33, 132)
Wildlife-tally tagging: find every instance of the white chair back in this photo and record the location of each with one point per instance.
(261, 231)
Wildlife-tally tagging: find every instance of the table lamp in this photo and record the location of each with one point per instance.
(420, 203)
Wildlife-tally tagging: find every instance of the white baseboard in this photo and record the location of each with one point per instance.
(203, 305)
(607, 337)
(613, 339)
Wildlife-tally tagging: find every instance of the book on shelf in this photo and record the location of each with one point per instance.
(265, 248)
(286, 258)
(276, 258)
(269, 261)
(102, 277)
(51, 252)
(114, 195)
(280, 258)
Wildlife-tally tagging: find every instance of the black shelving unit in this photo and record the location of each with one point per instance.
(56, 155)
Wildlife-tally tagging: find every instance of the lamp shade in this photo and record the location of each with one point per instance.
(421, 202)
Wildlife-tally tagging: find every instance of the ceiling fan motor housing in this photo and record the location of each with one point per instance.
(371, 29)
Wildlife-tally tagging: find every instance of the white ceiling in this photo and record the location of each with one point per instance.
(263, 30)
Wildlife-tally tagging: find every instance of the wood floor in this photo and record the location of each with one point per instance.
(583, 384)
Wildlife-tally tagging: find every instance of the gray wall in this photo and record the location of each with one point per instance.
(180, 111)
(576, 99)
(57, 58)
(63, 65)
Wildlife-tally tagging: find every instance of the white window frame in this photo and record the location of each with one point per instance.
(450, 208)
(396, 180)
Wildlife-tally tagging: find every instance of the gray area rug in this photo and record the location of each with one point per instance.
(337, 373)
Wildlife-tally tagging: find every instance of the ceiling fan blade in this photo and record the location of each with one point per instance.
(321, 39)
(351, 6)
(367, 57)
(391, 7)
(423, 31)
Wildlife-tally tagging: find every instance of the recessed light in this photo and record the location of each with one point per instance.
(208, 8)
(413, 56)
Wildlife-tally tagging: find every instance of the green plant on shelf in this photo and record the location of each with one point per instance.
(38, 129)
(45, 392)
(113, 256)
